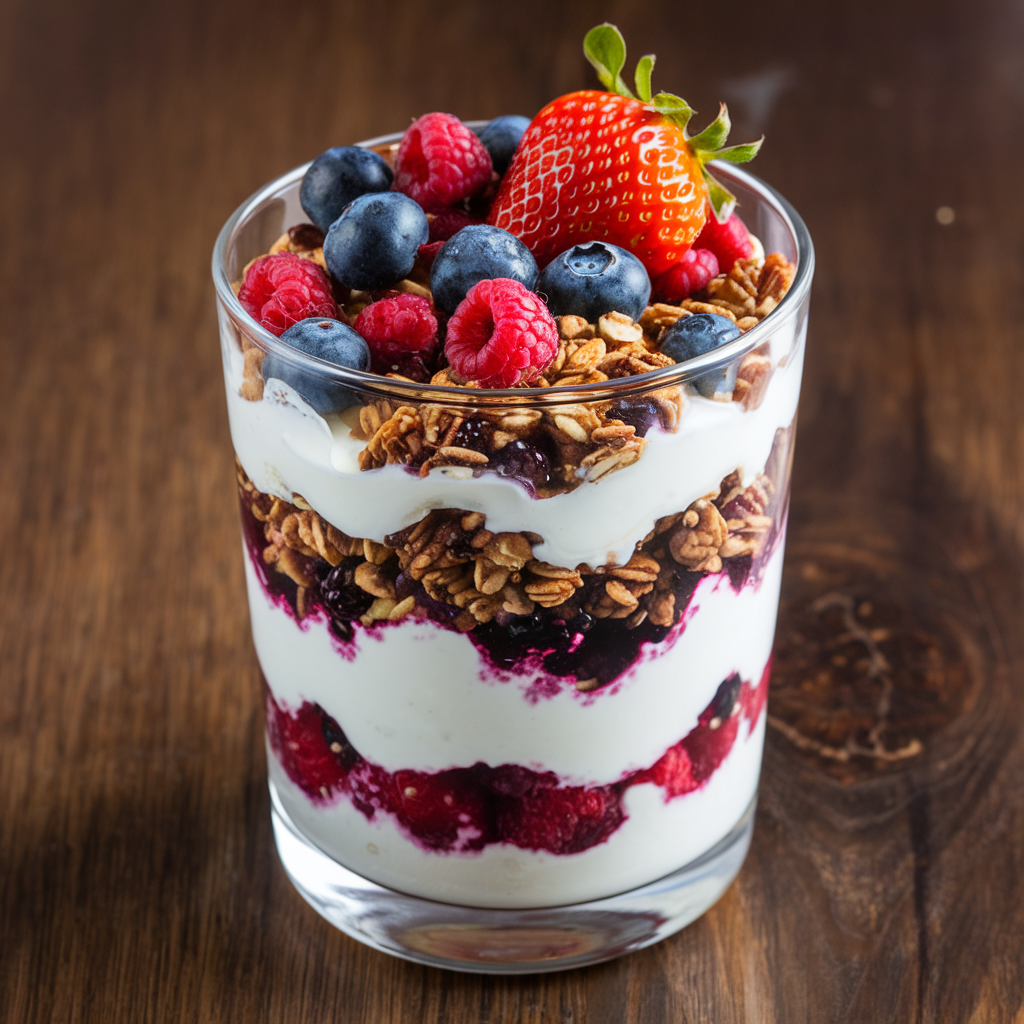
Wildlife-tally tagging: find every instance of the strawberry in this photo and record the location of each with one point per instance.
(611, 167)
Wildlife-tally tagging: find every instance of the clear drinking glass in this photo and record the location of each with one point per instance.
(515, 700)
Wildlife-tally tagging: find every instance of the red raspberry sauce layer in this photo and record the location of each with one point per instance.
(466, 809)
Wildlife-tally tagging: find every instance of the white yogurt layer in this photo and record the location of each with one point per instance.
(417, 696)
(285, 447)
(657, 837)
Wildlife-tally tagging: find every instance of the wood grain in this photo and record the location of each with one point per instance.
(138, 880)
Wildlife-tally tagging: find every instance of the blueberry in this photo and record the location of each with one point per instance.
(478, 252)
(500, 138)
(331, 341)
(595, 278)
(693, 336)
(374, 242)
(341, 596)
(337, 177)
(641, 413)
(522, 461)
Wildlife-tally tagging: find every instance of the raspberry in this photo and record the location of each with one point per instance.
(428, 252)
(729, 241)
(691, 274)
(282, 289)
(440, 162)
(402, 334)
(500, 334)
(446, 223)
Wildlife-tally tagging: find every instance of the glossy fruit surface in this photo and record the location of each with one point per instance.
(501, 335)
(338, 176)
(696, 335)
(477, 253)
(326, 339)
(373, 244)
(282, 289)
(501, 137)
(596, 166)
(440, 162)
(595, 278)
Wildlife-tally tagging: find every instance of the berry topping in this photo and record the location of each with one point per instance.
(691, 274)
(695, 335)
(446, 223)
(478, 253)
(595, 278)
(610, 167)
(374, 242)
(500, 335)
(729, 241)
(428, 253)
(282, 289)
(440, 162)
(331, 341)
(337, 177)
(402, 334)
(501, 137)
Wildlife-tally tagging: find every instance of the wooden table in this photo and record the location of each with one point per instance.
(138, 880)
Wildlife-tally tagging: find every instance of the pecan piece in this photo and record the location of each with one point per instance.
(696, 540)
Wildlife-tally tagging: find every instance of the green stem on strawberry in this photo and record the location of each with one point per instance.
(605, 48)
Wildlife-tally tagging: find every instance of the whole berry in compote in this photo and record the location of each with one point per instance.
(524, 461)
(325, 339)
(728, 240)
(440, 162)
(691, 274)
(374, 242)
(478, 253)
(500, 335)
(341, 596)
(501, 137)
(595, 278)
(609, 167)
(401, 331)
(694, 336)
(446, 223)
(640, 413)
(282, 289)
(338, 176)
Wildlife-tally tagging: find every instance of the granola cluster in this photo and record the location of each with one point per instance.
(449, 557)
(573, 443)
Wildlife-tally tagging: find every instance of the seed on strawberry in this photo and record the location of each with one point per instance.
(729, 241)
(440, 162)
(501, 335)
(401, 331)
(282, 289)
(691, 274)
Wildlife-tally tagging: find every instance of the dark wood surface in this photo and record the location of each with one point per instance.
(138, 880)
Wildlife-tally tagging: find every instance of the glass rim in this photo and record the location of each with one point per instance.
(390, 388)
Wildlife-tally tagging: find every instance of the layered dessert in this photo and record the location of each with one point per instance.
(513, 431)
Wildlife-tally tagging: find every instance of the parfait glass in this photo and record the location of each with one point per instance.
(515, 645)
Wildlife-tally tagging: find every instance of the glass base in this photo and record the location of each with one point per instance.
(505, 941)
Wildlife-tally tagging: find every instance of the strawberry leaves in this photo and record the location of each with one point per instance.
(605, 48)
(642, 78)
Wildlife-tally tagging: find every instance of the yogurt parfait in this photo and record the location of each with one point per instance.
(513, 407)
